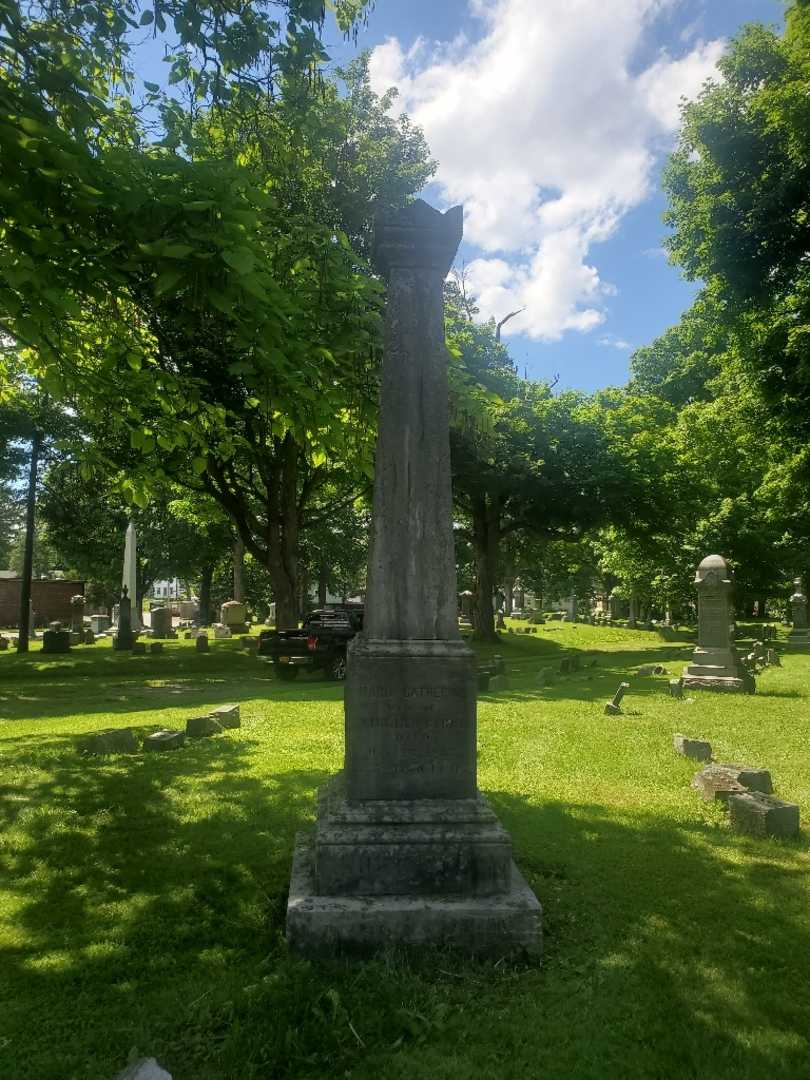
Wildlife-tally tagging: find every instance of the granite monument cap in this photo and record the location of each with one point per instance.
(714, 568)
(418, 237)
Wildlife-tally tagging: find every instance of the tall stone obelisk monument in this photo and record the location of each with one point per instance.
(406, 851)
(129, 578)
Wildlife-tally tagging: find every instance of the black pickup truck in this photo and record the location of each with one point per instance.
(319, 645)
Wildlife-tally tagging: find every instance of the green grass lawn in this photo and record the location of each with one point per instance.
(142, 898)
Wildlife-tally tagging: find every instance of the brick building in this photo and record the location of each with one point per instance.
(50, 600)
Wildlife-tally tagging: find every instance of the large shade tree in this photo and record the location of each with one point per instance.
(738, 205)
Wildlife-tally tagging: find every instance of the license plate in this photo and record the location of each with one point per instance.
(284, 659)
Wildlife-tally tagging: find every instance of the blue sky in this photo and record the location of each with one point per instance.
(551, 120)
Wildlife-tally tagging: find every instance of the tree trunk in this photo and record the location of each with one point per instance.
(206, 578)
(303, 595)
(239, 569)
(510, 596)
(283, 539)
(632, 618)
(322, 586)
(28, 555)
(486, 515)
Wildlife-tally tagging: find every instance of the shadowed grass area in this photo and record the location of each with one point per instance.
(142, 898)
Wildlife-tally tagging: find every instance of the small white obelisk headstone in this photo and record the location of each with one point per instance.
(130, 576)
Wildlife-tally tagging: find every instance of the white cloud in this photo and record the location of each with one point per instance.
(610, 341)
(547, 132)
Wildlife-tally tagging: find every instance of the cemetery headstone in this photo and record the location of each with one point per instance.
(715, 663)
(614, 707)
(201, 643)
(200, 727)
(227, 716)
(161, 620)
(697, 749)
(138, 648)
(757, 814)
(113, 741)
(233, 614)
(799, 634)
(55, 639)
(77, 604)
(156, 647)
(3, 643)
(164, 740)
(466, 600)
(406, 850)
(89, 637)
(676, 688)
(221, 631)
(100, 623)
(124, 638)
(720, 780)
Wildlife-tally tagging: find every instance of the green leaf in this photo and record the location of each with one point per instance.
(199, 465)
(152, 87)
(177, 251)
(167, 280)
(147, 18)
(241, 259)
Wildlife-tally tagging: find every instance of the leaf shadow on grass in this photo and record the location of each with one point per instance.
(681, 944)
(143, 917)
(120, 895)
(127, 691)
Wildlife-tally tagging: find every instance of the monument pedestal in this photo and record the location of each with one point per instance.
(415, 846)
(714, 669)
(508, 923)
(406, 851)
(799, 639)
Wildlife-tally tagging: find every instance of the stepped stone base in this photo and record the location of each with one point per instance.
(417, 847)
(733, 685)
(494, 926)
(716, 669)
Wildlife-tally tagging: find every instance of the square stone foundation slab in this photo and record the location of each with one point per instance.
(494, 926)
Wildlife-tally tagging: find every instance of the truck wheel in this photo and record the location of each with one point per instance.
(286, 672)
(337, 669)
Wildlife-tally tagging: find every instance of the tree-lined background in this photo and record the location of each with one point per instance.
(190, 325)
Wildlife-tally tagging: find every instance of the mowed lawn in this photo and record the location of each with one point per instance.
(142, 898)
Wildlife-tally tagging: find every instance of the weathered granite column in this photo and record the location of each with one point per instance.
(406, 851)
(715, 663)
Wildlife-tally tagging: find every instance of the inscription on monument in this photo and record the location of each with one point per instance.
(713, 623)
(404, 734)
